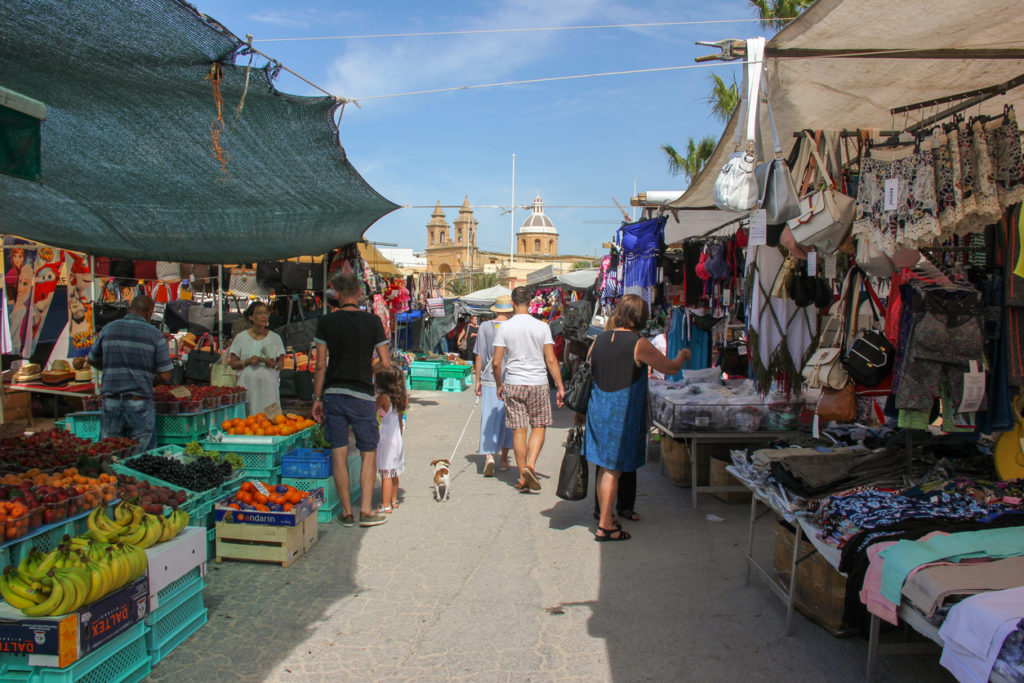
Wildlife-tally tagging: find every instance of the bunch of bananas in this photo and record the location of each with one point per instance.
(78, 572)
(132, 526)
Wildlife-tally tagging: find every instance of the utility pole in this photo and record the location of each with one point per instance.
(512, 219)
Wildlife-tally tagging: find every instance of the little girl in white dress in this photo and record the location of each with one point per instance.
(392, 402)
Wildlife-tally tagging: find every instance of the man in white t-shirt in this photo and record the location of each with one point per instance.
(524, 354)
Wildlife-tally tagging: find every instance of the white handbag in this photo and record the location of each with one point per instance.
(168, 271)
(736, 187)
(778, 196)
(824, 368)
(873, 260)
(826, 215)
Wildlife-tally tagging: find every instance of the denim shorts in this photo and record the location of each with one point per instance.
(134, 418)
(342, 411)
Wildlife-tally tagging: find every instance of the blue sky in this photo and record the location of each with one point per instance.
(577, 142)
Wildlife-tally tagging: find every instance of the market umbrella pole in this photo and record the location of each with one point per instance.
(220, 305)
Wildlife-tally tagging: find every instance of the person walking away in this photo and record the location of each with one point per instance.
(343, 393)
(392, 402)
(524, 352)
(495, 436)
(257, 354)
(132, 355)
(616, 435)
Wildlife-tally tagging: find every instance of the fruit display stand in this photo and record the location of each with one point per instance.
(261, 455)
(302, 462)
(176, 429)
(45, 537)
(199, 503)
(277, 537)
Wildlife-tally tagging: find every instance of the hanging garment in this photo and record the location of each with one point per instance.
(641, 246)
(1007, 159)
(974, 630)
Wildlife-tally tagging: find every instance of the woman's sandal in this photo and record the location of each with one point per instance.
(382, 510)
(621, 535)
(631, 515)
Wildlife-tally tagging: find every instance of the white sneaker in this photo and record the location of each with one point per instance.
(489, 466)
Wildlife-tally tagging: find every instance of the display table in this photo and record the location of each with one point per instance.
(693, 439)
(71, 390)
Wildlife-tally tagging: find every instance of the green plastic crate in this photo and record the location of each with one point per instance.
(124, 659)
(454, 370)
(271, 475)
(175, 627)
(195, 498)
(424, 369)
(84, 424)
(180, 586)
(190, 425)
(425, 383)
(326, 514)
(211, 543)
(455, 384)
(260, 452)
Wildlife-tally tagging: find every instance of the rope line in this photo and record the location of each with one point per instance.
(512, 30)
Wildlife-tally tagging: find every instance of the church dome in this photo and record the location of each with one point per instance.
(537, 222)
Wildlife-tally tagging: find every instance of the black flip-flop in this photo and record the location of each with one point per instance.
(622, 535)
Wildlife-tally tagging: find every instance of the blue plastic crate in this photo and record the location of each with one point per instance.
(84, 424)
(307, 463)
(124, 659)
(424, 368)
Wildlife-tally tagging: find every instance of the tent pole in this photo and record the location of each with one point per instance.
(325, 284)
(92, 318)
(3, 287)
(220, 304)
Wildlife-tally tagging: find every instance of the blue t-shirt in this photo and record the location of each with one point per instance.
(130, 352)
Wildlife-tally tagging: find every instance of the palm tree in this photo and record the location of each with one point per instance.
(775, 14)
(723, 98)
(485, 281)
(457, 286)
(697, 155)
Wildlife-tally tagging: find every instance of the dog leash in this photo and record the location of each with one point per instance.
(451, 458)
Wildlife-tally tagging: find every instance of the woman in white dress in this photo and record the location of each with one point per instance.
(257, 354)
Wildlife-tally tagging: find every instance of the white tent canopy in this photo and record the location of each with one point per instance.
(486, 296)
(920, 50)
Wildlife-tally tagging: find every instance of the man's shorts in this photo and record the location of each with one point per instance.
(527, 406)
(340, 411)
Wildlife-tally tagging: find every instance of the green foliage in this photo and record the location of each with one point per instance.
(485, 281)
(697, 155)
(319, 440)
(723, 98)
(457, 287)
(193, 450)
(775, 14)
(582, 265)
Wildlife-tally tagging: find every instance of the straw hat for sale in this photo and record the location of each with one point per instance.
(503, 304)
(83, 375)
(29, 372)
(60, 372)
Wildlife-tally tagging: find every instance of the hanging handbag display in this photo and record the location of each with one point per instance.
(202, 319)
(144, 270)
(296, 277)
(577, 393)
(176, 314)
(824, 369)
(244, 282)
(197, 368)
(837, 405)
(168, 271)
(105, 311)
(872, 260)
(177, 369)
(299, 331)
(778, 194)
(826, 214)
(870, 357)
(736, 186)
(268, 274)
(574, 475)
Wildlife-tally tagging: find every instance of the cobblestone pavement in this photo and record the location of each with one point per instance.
(499, 586)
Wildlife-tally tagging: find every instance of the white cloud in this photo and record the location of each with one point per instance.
(285, 19)
(385, 66)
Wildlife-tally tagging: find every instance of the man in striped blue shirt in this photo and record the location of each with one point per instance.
(131, 352)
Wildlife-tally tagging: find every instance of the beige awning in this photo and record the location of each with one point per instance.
(966, 45)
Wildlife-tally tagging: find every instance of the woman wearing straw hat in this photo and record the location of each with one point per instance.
(495, 436)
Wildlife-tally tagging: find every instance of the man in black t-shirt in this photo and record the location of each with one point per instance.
(344, 395)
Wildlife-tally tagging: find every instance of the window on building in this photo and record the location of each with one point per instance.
(458, 235)
(536, 245)
(551, 246)
(432, 238)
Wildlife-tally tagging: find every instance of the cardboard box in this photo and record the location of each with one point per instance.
(172, 560)
(820, 588)
(293, 518)
(719, 477)
(61, 641)
(676, 457)
(18, 406)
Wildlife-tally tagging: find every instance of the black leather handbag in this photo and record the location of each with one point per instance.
(296, 383)
(574, 475)
(197, 368)
(870, 358)
(577, 394)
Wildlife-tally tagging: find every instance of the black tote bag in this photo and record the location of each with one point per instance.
(574, 476)
(577, 394)
(197, 368)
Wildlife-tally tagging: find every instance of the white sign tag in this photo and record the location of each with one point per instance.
(830, 266)
(758, 229)
(812, 262)
(726, 297)
(974, 389)
(892, 191)
(309, 282)
(816, 427)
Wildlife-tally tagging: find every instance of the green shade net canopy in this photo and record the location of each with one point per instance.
(135, 162)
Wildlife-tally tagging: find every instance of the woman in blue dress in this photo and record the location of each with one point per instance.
(616, 438)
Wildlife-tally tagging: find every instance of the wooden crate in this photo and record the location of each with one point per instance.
(18, 407)
(676, 458)
(719, 477)
(261, 543)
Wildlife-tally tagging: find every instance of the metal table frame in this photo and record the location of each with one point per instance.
(695, 438)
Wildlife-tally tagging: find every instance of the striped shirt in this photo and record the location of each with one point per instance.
(130, 352)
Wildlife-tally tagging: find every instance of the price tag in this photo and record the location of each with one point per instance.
(309, 281)
(272, 411)
(974, 389)
(892, 191)
(816, 427)
(830, 266)
(726, 297)
(181, 392)
(741, 350)
(258, 485)
(758, 229)
(812, 262)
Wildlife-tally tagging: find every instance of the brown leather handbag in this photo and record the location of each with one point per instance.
(837, 405)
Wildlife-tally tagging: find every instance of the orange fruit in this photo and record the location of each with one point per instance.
(225, 425)
(279, 419)
(260, 432)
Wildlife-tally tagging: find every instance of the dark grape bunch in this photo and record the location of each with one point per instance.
(200, 474)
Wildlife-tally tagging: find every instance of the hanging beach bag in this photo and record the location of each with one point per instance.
(244, 282)
(870, 357)
(168, 271)
(574, 475)
(826, 215)
(177, 369)
(736, 186)
(104, 311)
(825, 368)
(222, 374)
(197, 368)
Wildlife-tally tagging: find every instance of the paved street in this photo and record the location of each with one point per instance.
(500, 586)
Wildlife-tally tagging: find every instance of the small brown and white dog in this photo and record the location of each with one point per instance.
(441, 479)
